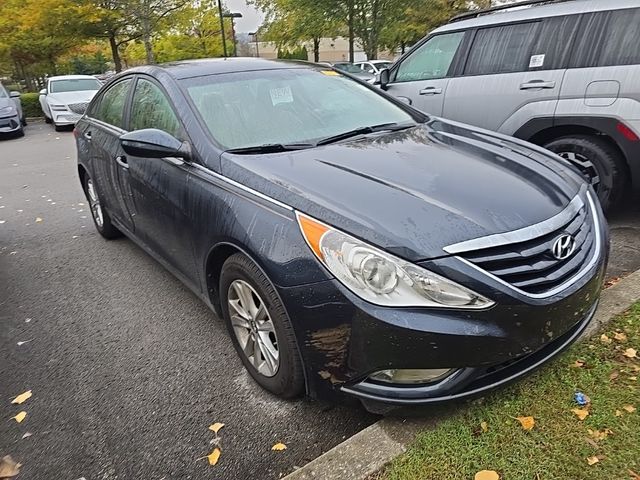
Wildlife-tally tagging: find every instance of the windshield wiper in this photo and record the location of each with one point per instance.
(270, 148)
(392, 127)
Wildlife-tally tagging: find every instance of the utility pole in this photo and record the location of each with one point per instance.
(233, 15)
(224, 41)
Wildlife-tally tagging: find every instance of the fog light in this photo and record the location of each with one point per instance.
(409, 376)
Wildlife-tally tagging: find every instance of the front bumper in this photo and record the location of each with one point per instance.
(10, 124)
(343, 339)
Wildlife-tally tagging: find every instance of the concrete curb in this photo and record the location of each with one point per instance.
(368, 451)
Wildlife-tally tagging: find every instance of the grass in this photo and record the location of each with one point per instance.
(559, 444)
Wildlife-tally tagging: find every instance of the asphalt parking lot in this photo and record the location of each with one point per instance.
(127, 367)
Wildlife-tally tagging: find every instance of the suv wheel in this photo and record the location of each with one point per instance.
(101, 218)
(599, 162)
(260, 328)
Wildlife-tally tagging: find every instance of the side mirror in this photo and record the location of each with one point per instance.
(154, 143)
(43, 91)
(384, 78)
(14, 94)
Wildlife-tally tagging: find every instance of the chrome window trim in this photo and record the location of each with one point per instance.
(241, 186)
(523, 234)
(572, 280)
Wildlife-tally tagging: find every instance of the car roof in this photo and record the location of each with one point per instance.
(213, 66)
(71, 77)
(551, 9)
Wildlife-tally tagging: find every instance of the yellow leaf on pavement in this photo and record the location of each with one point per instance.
(8, 467)
(23, 397)
(279, 447)
(526, 422)
(214, 456)
(216, 426)
(484, 426)
(592, 460)
(581, 413)
(38, 220)
(20, 417)
(629, 408)
(487, 475)
(630, 353)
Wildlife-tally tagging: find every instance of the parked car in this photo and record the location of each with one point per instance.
(354, 70)
(354, 246)
(12, 119)
(66, 98)
(563, 75)
(374, 66)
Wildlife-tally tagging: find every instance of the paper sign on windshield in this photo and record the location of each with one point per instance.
(281, 95)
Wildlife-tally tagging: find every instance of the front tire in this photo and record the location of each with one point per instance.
(58, 128)
(260, 327)
(47, 120)
(600, 163)
(101, 218)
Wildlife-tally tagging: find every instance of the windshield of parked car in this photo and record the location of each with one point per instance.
(381, 65)
(3, 92)
(288, 106)
(74, 85)
(348, 67)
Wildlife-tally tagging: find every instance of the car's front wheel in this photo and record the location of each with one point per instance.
(47, 120)
(260, 327)
(101, 218)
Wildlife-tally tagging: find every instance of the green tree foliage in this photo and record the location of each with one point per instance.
(299, 53)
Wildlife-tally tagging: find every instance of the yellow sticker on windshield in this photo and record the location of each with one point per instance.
(330, 72)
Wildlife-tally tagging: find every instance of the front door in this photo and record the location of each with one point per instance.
(423, 76)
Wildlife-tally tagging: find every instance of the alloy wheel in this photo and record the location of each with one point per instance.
(94, 202)
(253, 328)
(586, 167)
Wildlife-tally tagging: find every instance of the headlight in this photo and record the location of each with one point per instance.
(59, 108)
(6, 111)
(381, 278)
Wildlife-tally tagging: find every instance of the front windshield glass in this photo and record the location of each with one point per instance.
(287, 106)
(348, 67)
(381, 65)
(3, 92)
(74, 85)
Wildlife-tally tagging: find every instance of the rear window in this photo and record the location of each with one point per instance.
(621, 42)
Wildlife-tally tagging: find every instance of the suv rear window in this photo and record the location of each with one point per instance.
(621, 42)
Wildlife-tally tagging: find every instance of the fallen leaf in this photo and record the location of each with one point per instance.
(634, 475)
(581, 413)
(592, 460)
(618, 413)
(630, 353)
(20, 417)
(26, 435)
(8, 467)
(38, 220)
(216, 426)
(619, 336)
(484, 426)
(600, 435)
(487, 475)
(611, 282)
(577, 364)
(634, 378)
(614, 375)
(214, 456)
(279, 447)
(526, 422)
(629, 408)
(23, 397)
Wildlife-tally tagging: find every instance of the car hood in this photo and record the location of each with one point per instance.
(65, 98)
(416, 191)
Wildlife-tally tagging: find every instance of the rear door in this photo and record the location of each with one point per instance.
(107, 122)
(513, 72)
(423, 75)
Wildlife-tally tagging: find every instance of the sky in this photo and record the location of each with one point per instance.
(251, 18)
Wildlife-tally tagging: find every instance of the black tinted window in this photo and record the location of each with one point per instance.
(110, 108)
(552, 47)
(621, 42)
(502, 49)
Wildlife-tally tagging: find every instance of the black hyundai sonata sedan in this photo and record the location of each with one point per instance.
(354, 246)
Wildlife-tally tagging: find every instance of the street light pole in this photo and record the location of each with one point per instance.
(224, 41)
(233, 15)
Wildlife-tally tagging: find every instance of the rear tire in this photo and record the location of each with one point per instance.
(47, 120)
(600, 163)
(241, 276)
(101, 218)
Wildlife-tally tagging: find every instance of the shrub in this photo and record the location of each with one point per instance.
(31, 105)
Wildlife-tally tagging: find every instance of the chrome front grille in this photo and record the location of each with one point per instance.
(525, 260)
(78, 108)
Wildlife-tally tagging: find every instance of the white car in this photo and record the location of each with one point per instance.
(374, 66)
(66, 98)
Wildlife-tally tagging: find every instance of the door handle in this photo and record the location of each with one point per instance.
(430, 91)
(537, 84)
(87, 135)
(122, 161)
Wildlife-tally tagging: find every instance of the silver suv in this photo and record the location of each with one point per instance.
(561, 74)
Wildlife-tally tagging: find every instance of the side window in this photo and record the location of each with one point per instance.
(502, 49)
(431, 60)
(367, 67)
(110, 108)
(621, 42)
(552, 47)
(151, 109)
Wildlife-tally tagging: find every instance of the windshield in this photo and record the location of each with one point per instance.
(348, 67)
(381, 65)
(287, 106)
(3, 92)
(74, 85)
